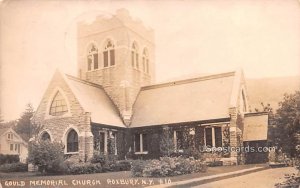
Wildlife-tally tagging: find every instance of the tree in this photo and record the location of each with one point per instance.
(288, 123)
(24, 126)
(48, 156)
(8, 124)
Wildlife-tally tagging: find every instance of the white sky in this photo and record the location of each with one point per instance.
(192, 38)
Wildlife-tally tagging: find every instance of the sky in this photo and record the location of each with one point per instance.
(191, 38)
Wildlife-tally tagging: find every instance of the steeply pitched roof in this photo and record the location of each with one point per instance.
(93, 99)
(197, 99)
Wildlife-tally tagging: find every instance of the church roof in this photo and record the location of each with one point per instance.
(196, 99)
(93, 99)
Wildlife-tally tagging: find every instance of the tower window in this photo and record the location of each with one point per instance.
(58, 106)
(135, 56)
(109, 54)
(92, 57)
(145, 61)
(72, 141)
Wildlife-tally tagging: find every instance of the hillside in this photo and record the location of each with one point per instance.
(270, 90)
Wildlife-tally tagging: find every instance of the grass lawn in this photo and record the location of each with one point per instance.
(110, 179)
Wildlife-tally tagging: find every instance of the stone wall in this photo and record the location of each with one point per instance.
(59, 126)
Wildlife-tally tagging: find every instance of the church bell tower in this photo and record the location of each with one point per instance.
(117, 52)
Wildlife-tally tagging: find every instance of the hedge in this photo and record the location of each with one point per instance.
(14, 167)
(167, 166)
(7, 159)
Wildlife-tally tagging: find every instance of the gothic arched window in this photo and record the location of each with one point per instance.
(92, 57)
(145, 60)
(46, 136)
(58, 106)
(72, 141)
(135, 56)
(109, 54)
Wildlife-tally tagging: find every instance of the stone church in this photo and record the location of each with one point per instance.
(114, 107)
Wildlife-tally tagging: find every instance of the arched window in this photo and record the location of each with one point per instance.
(58, 106)
(92, 57)
(109, 54)
(145, 61)
(46, 136)
(135, 56)
(72, 141)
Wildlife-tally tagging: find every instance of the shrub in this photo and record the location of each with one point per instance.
(213, 159)
(292, 180)
(167, 166)
(109, 162)
(14, 167)
(5, 159)
(123, 165)
(85, 168)
(138, 167)
(48, 156)
(99, 158)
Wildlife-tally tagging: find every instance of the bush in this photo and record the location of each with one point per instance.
(123, 165)
(6, 159)
(85, 168)
(167, 166)
(138, 167)
(109, 162)
(190, 152)
(48, 156)
(213, 159)
(14, 167)
(292, 180)
(99, 158)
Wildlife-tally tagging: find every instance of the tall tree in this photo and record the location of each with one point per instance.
(288, 122)
(23, 126)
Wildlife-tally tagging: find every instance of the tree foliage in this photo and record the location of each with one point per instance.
(288, 122)
(23, 126)
(48, 156)
(9, 124)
